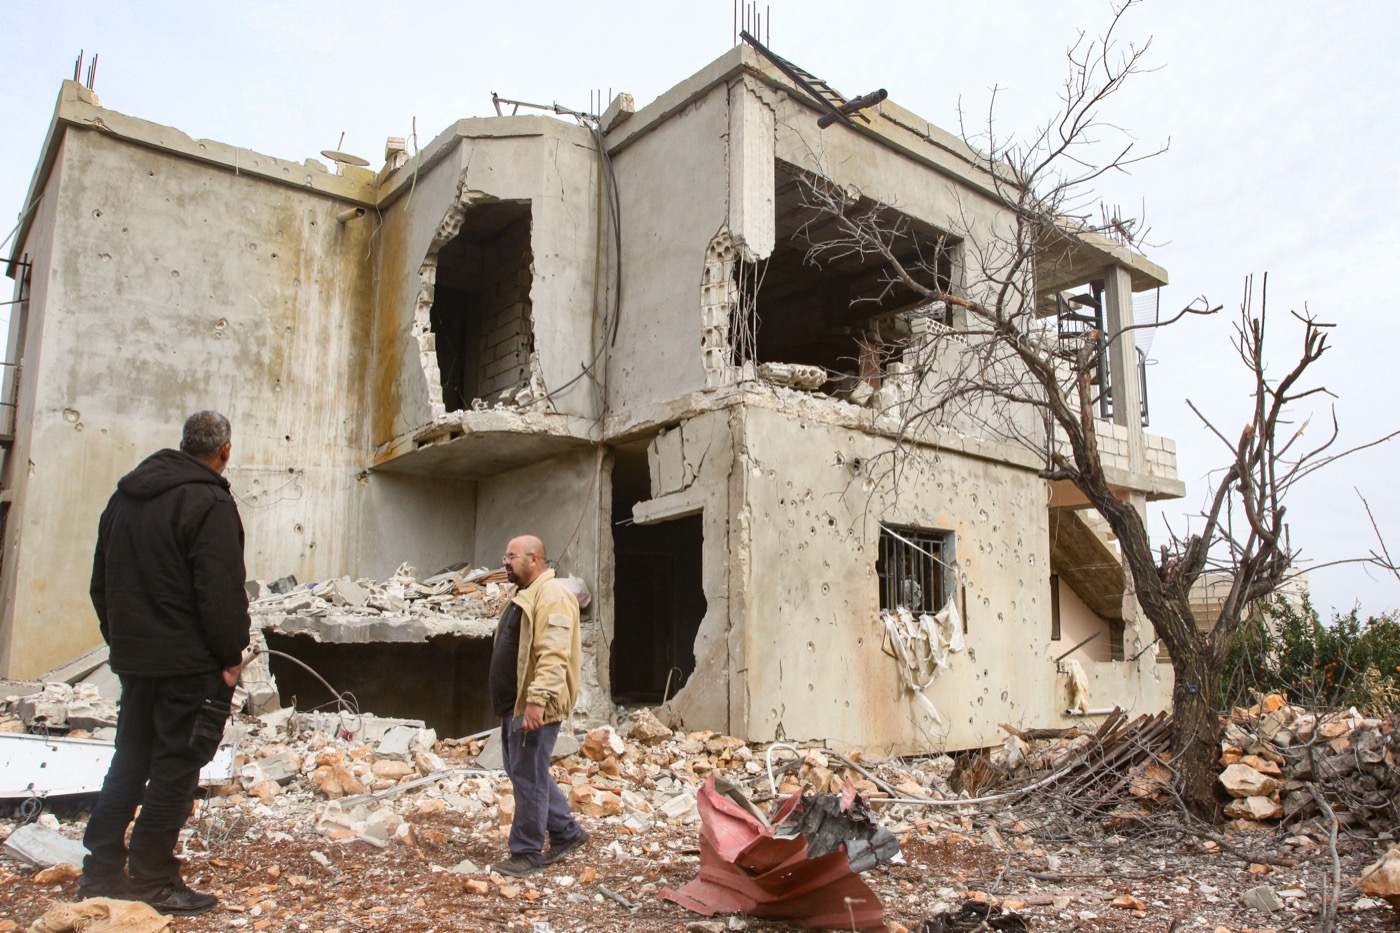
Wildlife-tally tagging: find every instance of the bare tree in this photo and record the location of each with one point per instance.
(1002, 371)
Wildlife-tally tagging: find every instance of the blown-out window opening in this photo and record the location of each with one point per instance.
(915, 568)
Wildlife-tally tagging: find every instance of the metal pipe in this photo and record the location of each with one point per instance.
(1077, 647)
(350, 214)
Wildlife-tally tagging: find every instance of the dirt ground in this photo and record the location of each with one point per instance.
(273, 872)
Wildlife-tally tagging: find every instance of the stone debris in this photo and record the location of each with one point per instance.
(1274, 754)
(78, 710)
(438, 604)
(456, 601)
(793, 375)
(1382, 880)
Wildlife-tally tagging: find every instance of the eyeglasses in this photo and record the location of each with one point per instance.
(507, 558)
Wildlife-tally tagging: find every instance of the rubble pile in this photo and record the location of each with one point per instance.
(1275, 754)
(332, 821)
(77, 710)
(456, 594)
(633, 779)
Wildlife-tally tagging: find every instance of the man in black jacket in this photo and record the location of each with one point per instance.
(167, 584)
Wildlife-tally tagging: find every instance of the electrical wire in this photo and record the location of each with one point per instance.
(343, 700)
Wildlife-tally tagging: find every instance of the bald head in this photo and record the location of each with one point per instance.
(524, 560)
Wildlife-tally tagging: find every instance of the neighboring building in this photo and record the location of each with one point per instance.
(738, 554)
(1210, 590)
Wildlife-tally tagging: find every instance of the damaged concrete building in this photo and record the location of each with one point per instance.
(602, 332)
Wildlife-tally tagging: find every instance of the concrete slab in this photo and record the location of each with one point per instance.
(43, 848)
(75, 669)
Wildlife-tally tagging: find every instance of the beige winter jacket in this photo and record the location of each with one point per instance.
(547, 667)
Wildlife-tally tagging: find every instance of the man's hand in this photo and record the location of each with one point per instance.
(230, 674)
(533, 717)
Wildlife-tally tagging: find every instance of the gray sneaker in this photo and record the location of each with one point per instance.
(517, 866)
(555, 853)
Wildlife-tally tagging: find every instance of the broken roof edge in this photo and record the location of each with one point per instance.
(393, 182)
(899, 129)
(936, 148)
(78, 108)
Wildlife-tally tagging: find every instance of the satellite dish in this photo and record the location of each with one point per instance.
(344, 158)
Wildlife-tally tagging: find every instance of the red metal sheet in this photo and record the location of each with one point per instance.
(743, 869)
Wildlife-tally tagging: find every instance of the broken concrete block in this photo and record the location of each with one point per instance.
(1262, 898)
(793, 375)
(1382, 879)
(89, 710)
(380, 828)
(257, 681)
(49, 707)
(682, 807)
(265, 790)
(346, 592)
(1254, 808)
(335, 819)
(1263, 766)
(567, 744)
(645, 728)
(428, 763)
(280, 766)
(1240, 780)
(389, 769)
(396, 741)
(601, 743)
(283, 585)
(591, 801)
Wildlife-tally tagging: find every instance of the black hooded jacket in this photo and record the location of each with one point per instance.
(167, 577)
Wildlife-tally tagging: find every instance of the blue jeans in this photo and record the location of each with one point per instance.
(540, 807)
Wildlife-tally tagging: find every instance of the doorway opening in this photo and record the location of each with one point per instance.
(658, 591)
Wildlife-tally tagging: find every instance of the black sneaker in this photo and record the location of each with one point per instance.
(177, 899)
(555, 853)
(114, 888)
(517, 866)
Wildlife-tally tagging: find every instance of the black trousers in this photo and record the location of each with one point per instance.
(168, 728)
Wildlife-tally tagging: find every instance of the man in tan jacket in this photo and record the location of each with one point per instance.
(535, 662)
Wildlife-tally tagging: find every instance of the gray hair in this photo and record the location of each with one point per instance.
(206, 432)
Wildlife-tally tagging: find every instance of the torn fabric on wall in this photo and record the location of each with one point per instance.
(922, 646)
(1078, 684)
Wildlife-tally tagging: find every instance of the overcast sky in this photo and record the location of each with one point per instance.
(1283, 121)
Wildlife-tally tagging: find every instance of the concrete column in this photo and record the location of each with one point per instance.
(752, 144)
(1122, 363)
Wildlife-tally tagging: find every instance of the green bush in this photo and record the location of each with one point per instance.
(1347, 662)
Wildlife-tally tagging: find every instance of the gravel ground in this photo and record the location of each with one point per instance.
(272, 872)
